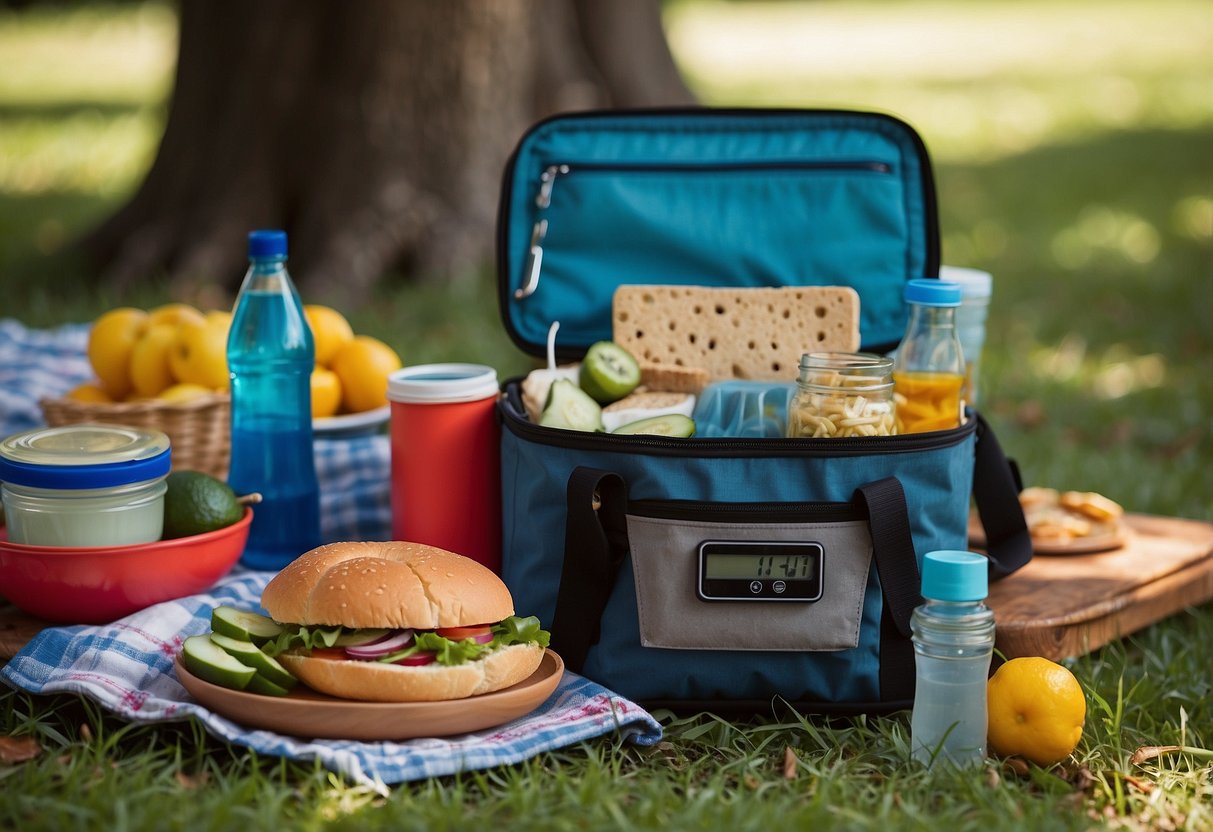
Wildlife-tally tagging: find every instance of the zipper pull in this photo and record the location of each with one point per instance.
(534, 261)
(547, 181)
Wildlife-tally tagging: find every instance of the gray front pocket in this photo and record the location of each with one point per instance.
(665, 562)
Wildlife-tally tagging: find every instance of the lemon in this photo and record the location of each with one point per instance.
(330, 330)
(89, 392)
(199, 354)
(196, 503)
(183, 392)
(1036, 710)
(326, 392)
(150, 368)
(110, 343)
(173, 314)
(363, 366)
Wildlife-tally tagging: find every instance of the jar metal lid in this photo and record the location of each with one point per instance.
(84, 456)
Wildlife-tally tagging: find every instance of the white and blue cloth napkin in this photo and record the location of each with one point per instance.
(127, 666)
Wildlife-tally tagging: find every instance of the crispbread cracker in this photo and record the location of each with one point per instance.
(745, 333)
(673, 378)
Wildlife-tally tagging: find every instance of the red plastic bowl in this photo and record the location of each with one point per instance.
(96, 585)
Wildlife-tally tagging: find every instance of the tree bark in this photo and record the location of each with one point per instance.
(373, 132)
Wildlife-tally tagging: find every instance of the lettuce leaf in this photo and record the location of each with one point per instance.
(513, 630)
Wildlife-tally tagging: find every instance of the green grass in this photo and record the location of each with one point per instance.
(1072, 143)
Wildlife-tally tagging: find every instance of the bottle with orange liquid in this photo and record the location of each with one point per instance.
(930, 368)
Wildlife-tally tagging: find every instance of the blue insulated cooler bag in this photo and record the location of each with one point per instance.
(731, 570)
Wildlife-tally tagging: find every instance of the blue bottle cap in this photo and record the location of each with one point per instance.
(932, 292)
(267, 243)
(954, 575)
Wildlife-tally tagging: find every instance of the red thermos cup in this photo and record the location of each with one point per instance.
(446, 459)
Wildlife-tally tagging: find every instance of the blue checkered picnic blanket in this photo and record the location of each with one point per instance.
(127, 665)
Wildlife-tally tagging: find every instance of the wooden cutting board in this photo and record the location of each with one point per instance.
(1056, 606)
(1069, 605)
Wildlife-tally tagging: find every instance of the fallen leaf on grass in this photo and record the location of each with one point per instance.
(18, 749)
(789, 763)
(1153, 752)
(191, 781)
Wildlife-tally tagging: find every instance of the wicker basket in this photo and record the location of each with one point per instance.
(200, 430)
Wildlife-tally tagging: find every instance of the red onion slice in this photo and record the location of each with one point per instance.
(416, 660)
(390, 643)
(483, 638)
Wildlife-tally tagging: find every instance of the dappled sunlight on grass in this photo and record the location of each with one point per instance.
(1113, 374)
(1045, 70)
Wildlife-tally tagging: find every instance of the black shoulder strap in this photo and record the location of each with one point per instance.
(884, 502)
(996, 487)
(595, 545)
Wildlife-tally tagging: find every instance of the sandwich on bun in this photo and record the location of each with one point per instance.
(398, 622)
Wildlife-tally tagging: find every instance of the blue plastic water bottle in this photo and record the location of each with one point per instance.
(953, 633)
(270, 355)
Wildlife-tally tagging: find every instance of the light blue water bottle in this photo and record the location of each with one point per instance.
(270, 355)
(953, 634)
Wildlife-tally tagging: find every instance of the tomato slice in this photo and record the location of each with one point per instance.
(416, 660)
(460, 633)
(330, 653)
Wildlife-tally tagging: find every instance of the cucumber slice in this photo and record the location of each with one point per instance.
(608, 372)
(260, 684)
(571, 408)
(250, 655)
(209, 661)
(356, 637)
(244, 625)
(669, 424)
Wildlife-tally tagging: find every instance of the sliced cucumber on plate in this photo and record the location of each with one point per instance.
(209, 661)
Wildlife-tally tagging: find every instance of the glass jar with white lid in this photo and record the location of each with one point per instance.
(84, 485)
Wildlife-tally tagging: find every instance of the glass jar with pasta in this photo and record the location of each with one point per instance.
(843, 394)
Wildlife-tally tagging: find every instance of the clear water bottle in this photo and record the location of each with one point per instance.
(270, 355)
(953, 634)
(929, 370)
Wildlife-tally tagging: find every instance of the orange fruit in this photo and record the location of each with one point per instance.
(330, 330)
(199, 355)
(110, 343)
(150, 368)
(1036, 710)
(326, 393)
(89, 392)
(184, 392)
(363, 366)
(173, 313)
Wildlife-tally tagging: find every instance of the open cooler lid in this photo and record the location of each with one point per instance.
(710, 197)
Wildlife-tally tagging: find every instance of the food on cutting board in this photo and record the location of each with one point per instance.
(378, 622)
(756, 333)
(1063, 517)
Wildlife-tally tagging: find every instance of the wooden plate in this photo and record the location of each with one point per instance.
(1077, 546)
(306, 713)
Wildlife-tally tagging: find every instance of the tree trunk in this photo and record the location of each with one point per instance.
(374, 132)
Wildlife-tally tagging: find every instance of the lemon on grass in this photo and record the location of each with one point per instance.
(330, 330)
(110, 343)
(363, 366)
(196, 503)
(1036, 710)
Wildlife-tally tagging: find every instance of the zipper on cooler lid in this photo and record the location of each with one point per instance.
(547, 182)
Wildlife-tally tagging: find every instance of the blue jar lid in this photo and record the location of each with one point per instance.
(954, 575)
(929, 292)
(267, 243)
(84, 456)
